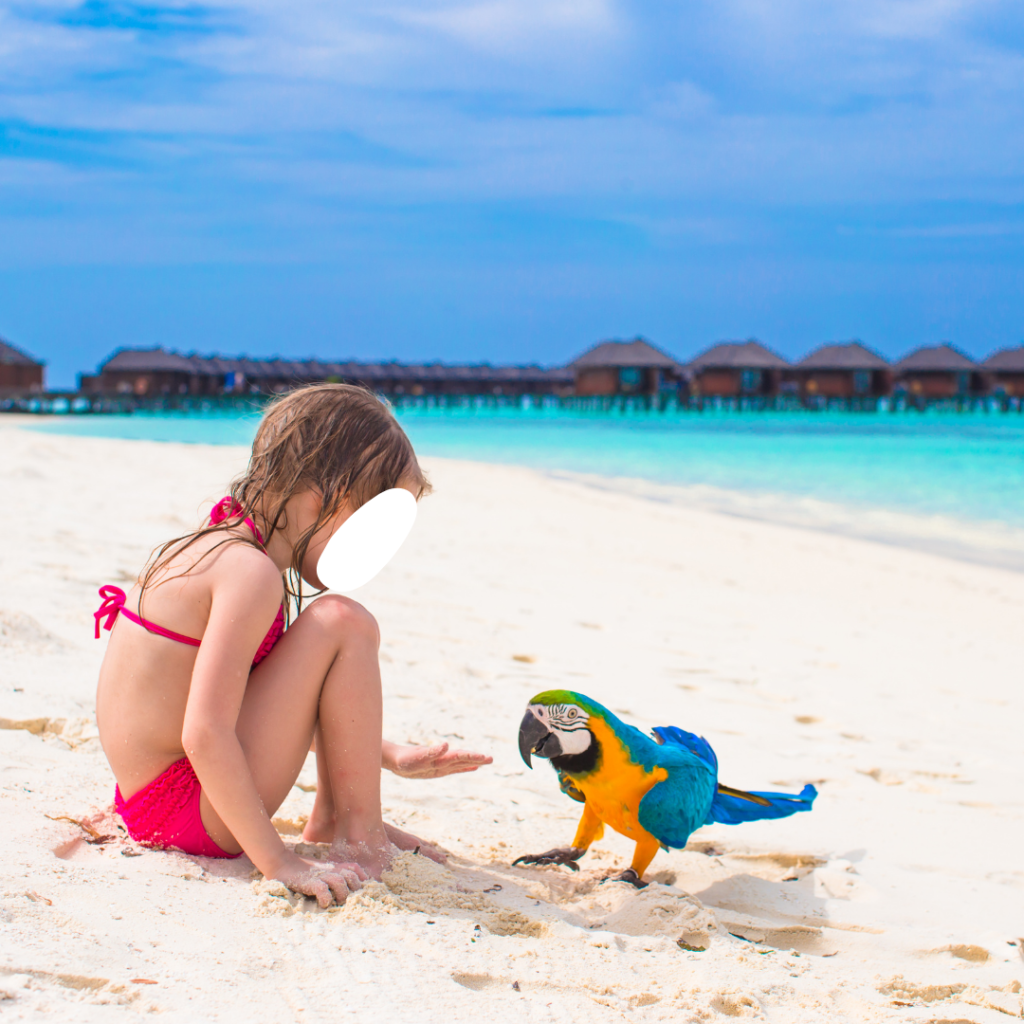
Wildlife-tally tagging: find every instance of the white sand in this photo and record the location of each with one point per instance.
(891, 678)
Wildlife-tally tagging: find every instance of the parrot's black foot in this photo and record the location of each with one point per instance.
(567, 855)
(629, 875)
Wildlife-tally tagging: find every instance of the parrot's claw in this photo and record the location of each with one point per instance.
(567, 855)
(629, 875)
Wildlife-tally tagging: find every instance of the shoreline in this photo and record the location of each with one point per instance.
(992, 543)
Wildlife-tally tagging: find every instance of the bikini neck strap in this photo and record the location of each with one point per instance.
(228, 508)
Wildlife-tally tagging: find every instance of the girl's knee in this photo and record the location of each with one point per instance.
(343, 617)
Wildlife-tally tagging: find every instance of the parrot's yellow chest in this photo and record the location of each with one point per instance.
(616, 787)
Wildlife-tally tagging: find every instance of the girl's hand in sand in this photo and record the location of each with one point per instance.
(430, 762)
(325, 881)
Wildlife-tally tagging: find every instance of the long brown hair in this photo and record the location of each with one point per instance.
(339, 440)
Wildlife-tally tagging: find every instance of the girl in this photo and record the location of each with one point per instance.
(207, 705)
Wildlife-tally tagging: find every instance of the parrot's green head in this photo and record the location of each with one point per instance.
(556, 725)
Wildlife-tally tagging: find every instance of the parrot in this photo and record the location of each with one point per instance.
(654, 790)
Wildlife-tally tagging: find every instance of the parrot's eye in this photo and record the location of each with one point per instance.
(572, 713)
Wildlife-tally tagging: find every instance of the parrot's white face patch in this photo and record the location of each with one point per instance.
(569, 722)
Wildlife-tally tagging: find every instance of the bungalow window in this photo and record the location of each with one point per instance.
(861, 382)
(963, 381)
(630, 378)
(750, 380)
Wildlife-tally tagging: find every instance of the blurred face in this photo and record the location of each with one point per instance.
(306, 511)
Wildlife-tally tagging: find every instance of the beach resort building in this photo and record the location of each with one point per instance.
(848, 370)
(937, 372)
(157, 372)
(142, 372)
(624, 368)
(737, 369)
(745, 373)
(18, 370)
(1003, 373)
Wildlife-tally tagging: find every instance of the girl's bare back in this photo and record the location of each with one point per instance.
(145, 678)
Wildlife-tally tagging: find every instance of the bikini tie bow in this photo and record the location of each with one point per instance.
(113, 601)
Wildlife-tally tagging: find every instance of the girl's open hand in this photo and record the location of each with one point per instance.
(325, 881)
(430, 762)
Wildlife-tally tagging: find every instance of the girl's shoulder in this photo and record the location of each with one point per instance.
(239, 556)
(246, 575)
(224, 558)
(244, 578)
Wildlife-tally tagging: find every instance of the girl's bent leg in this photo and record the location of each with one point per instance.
(323, 670)
(350, 723)
(320, 827)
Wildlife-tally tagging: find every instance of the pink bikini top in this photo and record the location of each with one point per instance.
(114, 597)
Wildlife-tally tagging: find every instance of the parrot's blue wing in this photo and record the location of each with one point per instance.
(678, 805)
(731, 806)
(689, 797)
(672, 735)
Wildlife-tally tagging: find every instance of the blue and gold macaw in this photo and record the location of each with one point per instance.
(654, 791)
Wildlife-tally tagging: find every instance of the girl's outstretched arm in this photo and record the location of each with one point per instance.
(430, 762)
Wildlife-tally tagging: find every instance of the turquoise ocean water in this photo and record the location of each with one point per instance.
(965, 466)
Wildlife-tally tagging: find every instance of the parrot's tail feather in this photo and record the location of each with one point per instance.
(731, 806)
(754, 798)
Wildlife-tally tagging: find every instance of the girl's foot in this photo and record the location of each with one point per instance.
(320, 826)
(407, 841)
(374, 855)
(320, 829)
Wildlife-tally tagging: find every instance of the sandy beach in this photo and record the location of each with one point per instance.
(887, 676)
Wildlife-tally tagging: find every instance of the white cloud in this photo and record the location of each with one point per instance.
(916, 19)
(509, 27)
(315, 104)
(681, 100)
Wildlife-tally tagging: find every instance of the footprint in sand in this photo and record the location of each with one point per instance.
(599, 992)
(974, 954)
(736, 1004)
(21, 631)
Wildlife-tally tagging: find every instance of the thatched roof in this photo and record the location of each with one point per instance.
(11, 356)
(635, 353)
(738, 355)
(936, 358)
(1009, 360)
(147, 360)
(849, 356)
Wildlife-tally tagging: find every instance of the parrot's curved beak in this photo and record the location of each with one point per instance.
(535, 738)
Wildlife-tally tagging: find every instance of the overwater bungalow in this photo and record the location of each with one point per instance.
(848, 370)
(938, 372)
(737, 369)
(18, 370)
(157, 372)
(624, 368)
(142, 372)
(1003, 372)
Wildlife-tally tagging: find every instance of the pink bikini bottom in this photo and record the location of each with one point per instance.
(165, 814)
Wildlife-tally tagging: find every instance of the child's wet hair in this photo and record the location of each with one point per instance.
(338, 440)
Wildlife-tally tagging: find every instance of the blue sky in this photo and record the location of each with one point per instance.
(506, 180)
